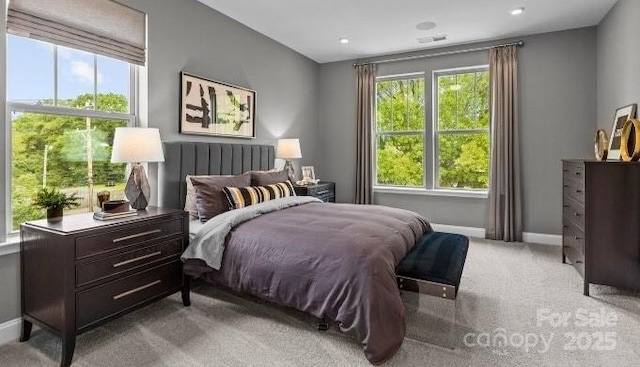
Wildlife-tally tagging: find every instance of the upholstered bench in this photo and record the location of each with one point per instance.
(434, 265)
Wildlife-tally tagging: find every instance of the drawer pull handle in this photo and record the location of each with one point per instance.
(578, 191)
(578, 261)
(125, 238)
(576, 237)
(578, 173)
(136, 290)
(137, 259)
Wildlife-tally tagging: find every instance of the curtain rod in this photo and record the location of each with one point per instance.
(383, 61)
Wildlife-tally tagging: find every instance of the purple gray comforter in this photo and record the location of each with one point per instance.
(331, 260)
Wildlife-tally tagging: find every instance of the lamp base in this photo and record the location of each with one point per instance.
(137, 189)
(291, 171)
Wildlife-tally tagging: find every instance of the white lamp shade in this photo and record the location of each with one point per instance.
(288, 149)
(136, 144)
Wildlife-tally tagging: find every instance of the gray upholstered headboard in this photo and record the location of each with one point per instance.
(188, 158)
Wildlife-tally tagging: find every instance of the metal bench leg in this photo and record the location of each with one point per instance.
(431, 320)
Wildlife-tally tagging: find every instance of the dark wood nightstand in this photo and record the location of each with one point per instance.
(325, 191)
(80, 273)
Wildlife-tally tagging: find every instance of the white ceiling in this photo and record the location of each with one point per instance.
(376, 27)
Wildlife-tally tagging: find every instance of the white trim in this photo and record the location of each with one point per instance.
(10, 331)
(430, 192)
(12, 246)
(527, 237)
(465, 231)
(542, 238)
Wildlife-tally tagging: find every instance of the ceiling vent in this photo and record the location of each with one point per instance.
(432, 39)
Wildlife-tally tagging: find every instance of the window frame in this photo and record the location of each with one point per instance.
(430, 138)
(132, 119)
(375, 134)
(436, 131)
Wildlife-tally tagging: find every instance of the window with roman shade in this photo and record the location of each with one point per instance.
(101, 27)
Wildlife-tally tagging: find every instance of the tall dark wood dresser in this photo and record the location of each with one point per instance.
(601, 221)
(80, 273)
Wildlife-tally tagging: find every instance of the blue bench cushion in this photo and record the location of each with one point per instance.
(436, 257)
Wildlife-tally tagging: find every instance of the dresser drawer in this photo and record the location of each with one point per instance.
(120, 263)
(574, 190)
(130, 235)
(573, 237)
(573, 211)
(573, 172)
(114, 297)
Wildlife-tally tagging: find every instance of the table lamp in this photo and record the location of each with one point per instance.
(289, 149)
(137, 145)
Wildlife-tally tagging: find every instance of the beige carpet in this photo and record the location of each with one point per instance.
(520, 288)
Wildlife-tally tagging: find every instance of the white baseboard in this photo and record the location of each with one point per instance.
(465, 231)
(528, 237)
(542, 238)
(10, 331)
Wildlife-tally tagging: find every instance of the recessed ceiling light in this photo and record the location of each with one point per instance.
(343, 40)
(425, 26)
(517, 11)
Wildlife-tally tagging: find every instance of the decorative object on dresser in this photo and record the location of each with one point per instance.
(600, 237)
(80, 273)
(212, 108)
(308, 176)
(55, 201)
(289, 149)
(630, 141)
(601, 145)
(621, 116)
(135, 145)
(325, 191)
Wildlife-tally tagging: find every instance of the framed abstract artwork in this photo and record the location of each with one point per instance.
(622, 115)
(213, 108)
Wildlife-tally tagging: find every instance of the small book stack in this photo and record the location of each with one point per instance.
(115, 210)
(108, 216)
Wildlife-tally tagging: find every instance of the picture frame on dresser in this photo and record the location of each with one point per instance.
(620, 117)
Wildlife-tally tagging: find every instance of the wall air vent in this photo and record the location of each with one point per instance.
(431, 39)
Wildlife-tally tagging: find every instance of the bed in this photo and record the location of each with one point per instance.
(334, 261)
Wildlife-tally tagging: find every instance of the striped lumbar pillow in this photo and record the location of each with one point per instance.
(239, 197)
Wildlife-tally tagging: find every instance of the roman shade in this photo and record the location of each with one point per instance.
(103, 27)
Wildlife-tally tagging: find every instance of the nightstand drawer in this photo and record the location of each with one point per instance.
(118, 264)
(114, 297)
(131, 235)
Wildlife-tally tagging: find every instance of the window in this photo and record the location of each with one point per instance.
(449, 151)
(461, 130)
(399, 132)
(64, 106)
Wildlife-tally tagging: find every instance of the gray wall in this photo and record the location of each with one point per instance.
(9, 287)
(557, 100)
(618, 61)
(187, 35)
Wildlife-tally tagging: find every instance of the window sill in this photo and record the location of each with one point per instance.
(11, 246)
(435, 192)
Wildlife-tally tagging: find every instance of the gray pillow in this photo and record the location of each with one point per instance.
(210, 199)
(263, 178)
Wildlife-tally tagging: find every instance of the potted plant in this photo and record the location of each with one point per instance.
(55, 201)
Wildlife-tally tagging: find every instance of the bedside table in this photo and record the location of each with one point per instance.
(325, 191)
(81, 272)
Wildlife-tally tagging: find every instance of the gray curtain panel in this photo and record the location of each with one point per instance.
(366, 87)
(505, 202)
